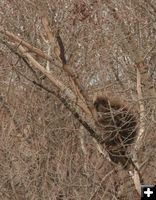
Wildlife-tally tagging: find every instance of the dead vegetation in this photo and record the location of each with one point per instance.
(54, 57)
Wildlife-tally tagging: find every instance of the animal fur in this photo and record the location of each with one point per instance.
(118, 125)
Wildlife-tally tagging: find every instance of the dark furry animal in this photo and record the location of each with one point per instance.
(118, 128)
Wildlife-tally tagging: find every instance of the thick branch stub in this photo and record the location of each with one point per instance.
(142, 109)
(62, 49)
